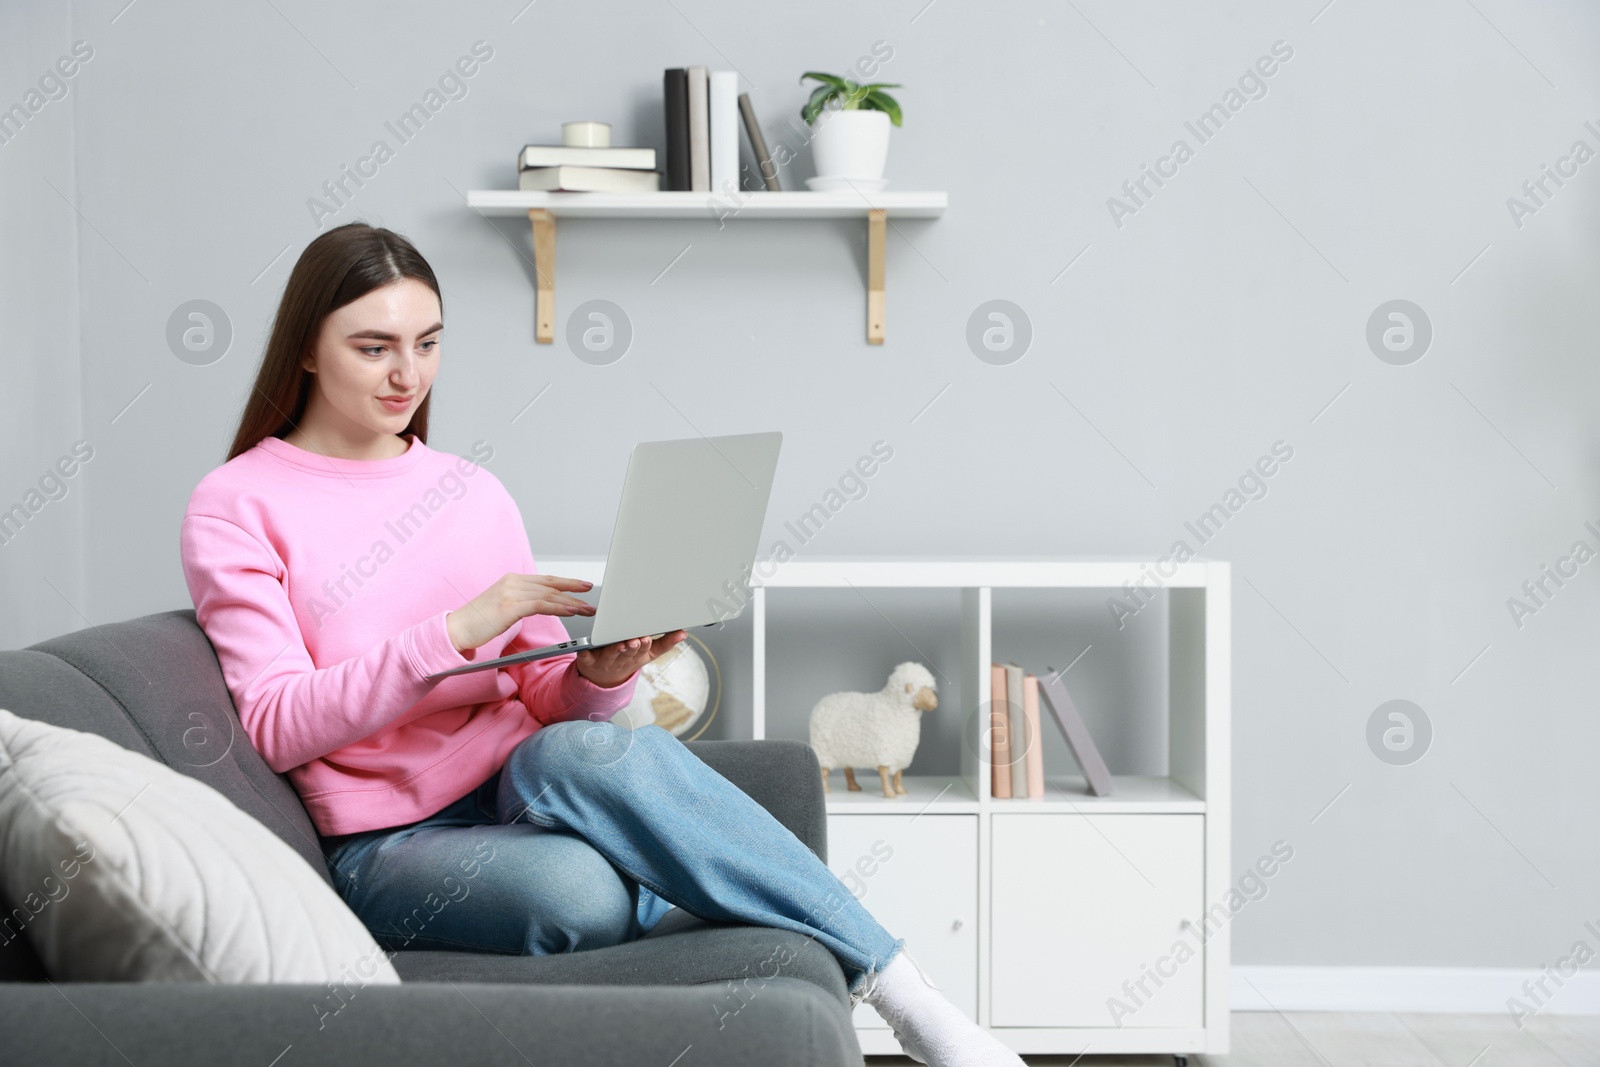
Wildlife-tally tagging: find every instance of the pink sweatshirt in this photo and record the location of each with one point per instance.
(323, 585)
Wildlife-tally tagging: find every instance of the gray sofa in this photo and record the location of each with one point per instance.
(691, 992)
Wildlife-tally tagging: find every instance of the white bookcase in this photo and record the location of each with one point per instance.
(1036, 916)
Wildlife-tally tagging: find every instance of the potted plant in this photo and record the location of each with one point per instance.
(851, 140)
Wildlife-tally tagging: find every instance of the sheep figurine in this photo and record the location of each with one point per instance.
(879, 729)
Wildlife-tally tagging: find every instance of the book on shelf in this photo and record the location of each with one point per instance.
(999, 734)
(723, 105)
(758, 145)
(1073, 729)
(675, 95)
(703, 112)
(556, 155)
(699, 133)
(1017, 743)
(589, 179)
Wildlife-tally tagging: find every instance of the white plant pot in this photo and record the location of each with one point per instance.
(851, 144)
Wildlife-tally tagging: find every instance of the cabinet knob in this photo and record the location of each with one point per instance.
(956, 925)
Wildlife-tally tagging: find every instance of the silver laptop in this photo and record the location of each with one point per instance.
(684, 544)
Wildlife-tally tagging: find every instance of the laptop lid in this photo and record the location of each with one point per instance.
(687, 532)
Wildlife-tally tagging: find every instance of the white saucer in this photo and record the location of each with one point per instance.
(821, 184)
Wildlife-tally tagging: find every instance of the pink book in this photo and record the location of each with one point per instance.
(999, 734)
(1035, 753)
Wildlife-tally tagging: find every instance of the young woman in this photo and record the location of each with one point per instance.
(335, 561)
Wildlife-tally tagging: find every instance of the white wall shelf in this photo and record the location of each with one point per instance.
(1032, 913)
(543, 208)
(748, 205)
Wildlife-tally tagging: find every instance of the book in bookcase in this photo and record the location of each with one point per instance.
(1019, 736)
(1016, 768)
(1015, 723)
(1079, 741)
(1034, 756)
(999, 734)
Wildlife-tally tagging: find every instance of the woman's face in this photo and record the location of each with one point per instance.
(384, 345)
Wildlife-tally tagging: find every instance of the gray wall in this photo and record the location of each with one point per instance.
(1227, 313)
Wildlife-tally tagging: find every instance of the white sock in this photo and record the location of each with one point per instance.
(929, 1028)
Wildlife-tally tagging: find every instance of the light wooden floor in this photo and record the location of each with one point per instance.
(1318, 1039)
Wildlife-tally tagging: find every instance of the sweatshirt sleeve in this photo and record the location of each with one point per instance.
(291, 711)
(552, 689)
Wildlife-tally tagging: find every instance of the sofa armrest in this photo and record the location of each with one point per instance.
(789, 1023)
(782, 776)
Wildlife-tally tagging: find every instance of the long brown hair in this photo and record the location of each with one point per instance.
(337, 268)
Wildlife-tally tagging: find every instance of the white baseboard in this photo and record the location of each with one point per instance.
(1457, 990)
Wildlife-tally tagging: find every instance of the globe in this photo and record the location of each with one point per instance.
(671, 692)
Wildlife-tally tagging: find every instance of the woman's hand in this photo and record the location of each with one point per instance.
(505, 603)
(610, 665)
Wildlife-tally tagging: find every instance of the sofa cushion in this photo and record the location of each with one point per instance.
(127, 870)
(682, 949)
(153, 685)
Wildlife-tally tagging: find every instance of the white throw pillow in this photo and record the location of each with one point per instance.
(120, 869)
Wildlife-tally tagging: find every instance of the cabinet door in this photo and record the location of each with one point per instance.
(1093, 920)
(918, 876)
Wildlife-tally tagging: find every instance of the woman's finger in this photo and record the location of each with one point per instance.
(549, 606)
(556, 597)
(556, 581)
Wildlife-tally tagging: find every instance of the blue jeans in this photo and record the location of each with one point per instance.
(585, 837)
